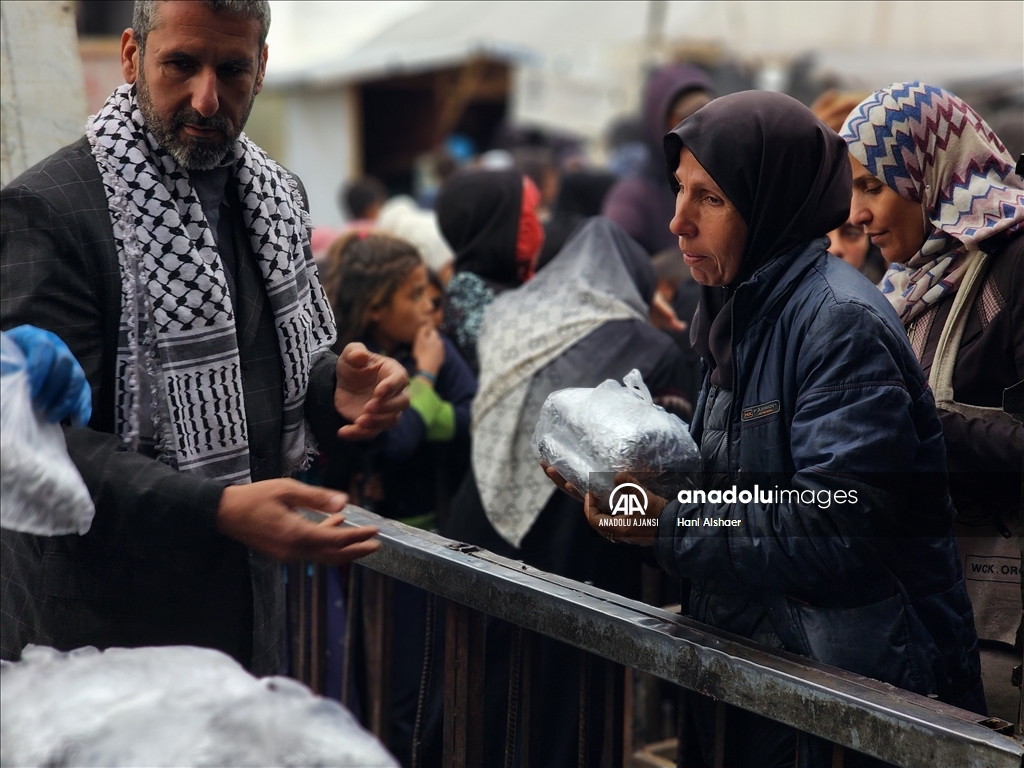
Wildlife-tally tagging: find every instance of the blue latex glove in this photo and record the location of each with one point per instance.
(57, 382)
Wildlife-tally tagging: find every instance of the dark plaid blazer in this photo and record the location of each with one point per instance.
(153, 570)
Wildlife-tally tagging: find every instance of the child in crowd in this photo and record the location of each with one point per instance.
(436, 294)
(380, 290)
(363, 200)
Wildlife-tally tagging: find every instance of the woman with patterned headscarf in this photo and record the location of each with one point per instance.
(937, 192)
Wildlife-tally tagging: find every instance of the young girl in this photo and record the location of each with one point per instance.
(378, 286)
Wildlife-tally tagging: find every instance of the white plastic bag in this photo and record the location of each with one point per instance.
(41, 491)
(589, 434)
(169, 706)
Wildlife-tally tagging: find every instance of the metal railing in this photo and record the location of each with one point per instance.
(853, 712)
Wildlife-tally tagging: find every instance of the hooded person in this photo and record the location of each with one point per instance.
(811, 388)
(642, 202)
(947, 210)
(489, 218)
(582, 320)
(580, 196)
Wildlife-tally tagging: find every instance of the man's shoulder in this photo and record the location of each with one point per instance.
(66, 174)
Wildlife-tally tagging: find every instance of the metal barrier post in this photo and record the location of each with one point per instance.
(463, 687)
(354, 591)
(528, 724)
(515, 669)
(377, 622)
(720, 717)
(613, 753)
(318, 628)
(298, 616)
(584, 713)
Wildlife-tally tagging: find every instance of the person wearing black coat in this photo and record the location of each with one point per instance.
(838, 543)
(137, 245)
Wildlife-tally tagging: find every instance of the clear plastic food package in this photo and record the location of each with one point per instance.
(589, 434)
(41, 490)
(169, 706)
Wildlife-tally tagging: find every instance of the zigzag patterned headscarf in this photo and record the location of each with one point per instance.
(179, 380)
(930, 147)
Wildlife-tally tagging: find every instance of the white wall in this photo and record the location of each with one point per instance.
(307, 33)
(42, 92)
(318, 147)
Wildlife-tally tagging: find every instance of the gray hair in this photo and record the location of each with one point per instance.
(144, 16)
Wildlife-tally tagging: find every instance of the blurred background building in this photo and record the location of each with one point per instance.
(42, 104)
(387, 89)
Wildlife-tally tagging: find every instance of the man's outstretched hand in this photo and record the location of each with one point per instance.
(371, 392)
(263, 516)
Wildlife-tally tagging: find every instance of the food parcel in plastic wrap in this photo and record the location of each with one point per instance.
(589, 434)
(169, 706)
(41, 491)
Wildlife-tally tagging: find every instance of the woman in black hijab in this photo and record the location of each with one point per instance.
(478, 212)
(580, 197)
(489, 219)
(812, 391)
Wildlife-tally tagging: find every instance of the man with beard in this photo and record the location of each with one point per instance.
(172, 257)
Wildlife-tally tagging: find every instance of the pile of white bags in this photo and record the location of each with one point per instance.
(169, 706)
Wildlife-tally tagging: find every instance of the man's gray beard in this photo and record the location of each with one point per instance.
(191, 153)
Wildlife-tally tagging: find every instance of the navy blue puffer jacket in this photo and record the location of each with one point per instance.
(828, 398)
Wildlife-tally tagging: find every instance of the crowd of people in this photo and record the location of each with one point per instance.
(833, 300)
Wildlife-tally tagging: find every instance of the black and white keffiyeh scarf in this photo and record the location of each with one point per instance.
(179, 381)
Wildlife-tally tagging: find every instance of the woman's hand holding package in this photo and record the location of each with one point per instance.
(599, 519)
(563, 484)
